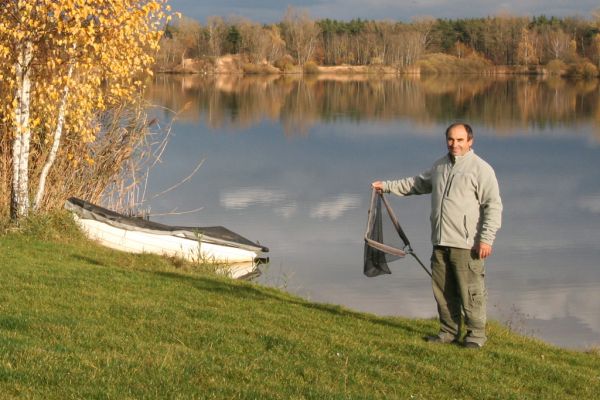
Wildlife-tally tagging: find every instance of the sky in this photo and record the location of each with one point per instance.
(267, 11)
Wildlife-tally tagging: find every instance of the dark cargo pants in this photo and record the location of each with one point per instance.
(458, 284)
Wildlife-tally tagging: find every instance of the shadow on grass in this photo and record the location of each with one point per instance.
(11, 323)
(88, 260)
(247, 291)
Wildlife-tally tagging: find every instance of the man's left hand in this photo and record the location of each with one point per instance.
(483, 250)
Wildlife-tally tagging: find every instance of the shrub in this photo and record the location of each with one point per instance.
(589, 70)
(474, 63)
(447, 64)
(426, 67)
(311, 68)
(376, 61)
(582, 69)
(258, 69)
(285, 63)
(556, 67)
(435, 63)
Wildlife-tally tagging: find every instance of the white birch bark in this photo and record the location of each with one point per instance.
(55, 141)
(21, 141)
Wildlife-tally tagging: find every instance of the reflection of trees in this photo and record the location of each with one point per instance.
(222, 99)
(556, 101)
(298, 103)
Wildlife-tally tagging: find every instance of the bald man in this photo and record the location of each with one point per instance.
(466, 213)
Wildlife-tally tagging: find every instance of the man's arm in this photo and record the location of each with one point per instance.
(483, 250)
(420, 184)
(377, 185)
(491, 212)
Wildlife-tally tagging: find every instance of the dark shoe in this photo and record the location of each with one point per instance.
(439, 339)
(472, 345)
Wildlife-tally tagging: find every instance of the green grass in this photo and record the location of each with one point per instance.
(78, 321)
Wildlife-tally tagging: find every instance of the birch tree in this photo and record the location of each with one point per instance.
(301, 34)
(64, 61)
(557, 43)
(217, 30)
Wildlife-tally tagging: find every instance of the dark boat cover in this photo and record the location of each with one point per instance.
(210, 234)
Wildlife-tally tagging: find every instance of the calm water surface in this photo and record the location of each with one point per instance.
(289, 163)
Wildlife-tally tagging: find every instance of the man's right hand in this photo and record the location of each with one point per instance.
(377, 185)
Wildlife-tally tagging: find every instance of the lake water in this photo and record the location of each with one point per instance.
(289, 162)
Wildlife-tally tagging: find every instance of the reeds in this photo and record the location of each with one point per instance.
(105, 170)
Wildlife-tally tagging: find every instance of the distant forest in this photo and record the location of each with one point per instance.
(570, 43)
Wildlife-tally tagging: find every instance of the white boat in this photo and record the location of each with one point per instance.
(231, 253)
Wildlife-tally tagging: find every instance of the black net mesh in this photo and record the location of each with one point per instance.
(375, 260)
(384, 240)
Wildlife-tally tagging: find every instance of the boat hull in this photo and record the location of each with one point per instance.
(236, 262)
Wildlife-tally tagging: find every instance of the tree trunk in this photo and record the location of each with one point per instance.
(55, 141)
(19, 206)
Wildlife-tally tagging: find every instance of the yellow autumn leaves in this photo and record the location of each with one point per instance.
(107, 41)
(86, 56)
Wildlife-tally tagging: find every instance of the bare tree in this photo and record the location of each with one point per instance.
(414, 47)
(557, 43)
(272, 43)
(217, 30)
(526, 52)
(300, 33)
(170, 53)
(424, 25)
(189, 34)
(406, 46)
(251, 33)
(385, 33)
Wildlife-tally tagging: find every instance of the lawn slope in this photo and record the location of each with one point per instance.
(81, 321)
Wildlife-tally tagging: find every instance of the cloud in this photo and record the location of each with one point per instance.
(330, 209)
(256, 10)
(287, 211)
(246, 197)
(273, 10)
(580, 302)
(590, 203)
(334, 208)
(393, 9)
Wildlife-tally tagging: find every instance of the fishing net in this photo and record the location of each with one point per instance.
(385, 241)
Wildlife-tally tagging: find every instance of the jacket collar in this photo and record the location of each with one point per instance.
(459, 159)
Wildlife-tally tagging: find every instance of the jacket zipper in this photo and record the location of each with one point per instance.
(448, 185)
(445, 193)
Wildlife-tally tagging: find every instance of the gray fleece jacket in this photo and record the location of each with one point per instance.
(465, 200)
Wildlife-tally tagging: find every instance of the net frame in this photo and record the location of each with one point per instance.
(376, 196)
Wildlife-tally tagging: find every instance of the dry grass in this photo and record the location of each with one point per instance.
(106, 168)
(594, 351)
(446, 64)
(259, 69)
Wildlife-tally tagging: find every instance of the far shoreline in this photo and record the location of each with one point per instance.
(235, 65)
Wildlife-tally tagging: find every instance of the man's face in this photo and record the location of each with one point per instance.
(458, 141)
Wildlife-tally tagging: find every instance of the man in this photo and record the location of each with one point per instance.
(466, 212)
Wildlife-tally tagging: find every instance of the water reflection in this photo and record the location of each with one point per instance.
(507, 104)
(239, 199)
(289, 163)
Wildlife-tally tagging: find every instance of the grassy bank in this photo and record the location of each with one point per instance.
(80, 321)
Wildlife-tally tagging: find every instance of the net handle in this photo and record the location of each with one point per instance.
(395, 221)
